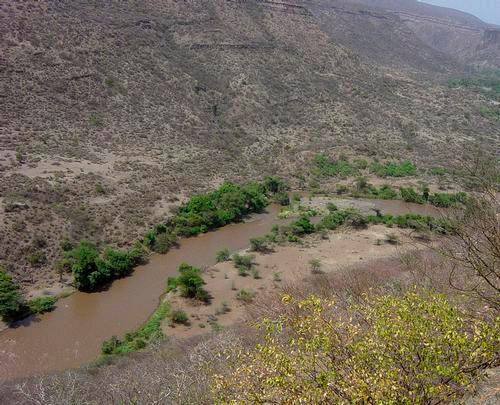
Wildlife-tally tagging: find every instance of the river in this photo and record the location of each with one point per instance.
(71, 335)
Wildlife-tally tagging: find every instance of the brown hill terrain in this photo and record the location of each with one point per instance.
(113, 110)
(454, 33)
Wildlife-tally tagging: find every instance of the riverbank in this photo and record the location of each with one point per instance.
(283, 265)
(36, 345)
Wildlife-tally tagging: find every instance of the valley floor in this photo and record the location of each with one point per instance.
(282, 266)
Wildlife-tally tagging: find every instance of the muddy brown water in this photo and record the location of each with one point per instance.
(71, 335)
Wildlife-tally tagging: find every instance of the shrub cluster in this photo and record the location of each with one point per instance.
(243, 263)
(412, 221)
(92, 269)
(189, 282)
(296, 229)
(11, 300)
(487, 82)
(447, 199)
(411, 349)
(384, 192)
(42, 304)
(394, 169)
(229, 203)
(444, 200)
(13, 305)
(326, 167)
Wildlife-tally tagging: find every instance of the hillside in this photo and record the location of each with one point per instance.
(457, 34)
(113, 111)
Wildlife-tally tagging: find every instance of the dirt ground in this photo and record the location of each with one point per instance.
(289, 263)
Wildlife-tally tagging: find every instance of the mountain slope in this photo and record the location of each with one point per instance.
(452, 32)
(112, 111)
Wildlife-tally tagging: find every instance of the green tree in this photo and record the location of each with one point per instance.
(118, 263)
(87, 270)
(11, 301)
(190, 281)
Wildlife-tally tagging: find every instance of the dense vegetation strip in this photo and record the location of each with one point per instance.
(229, 203)
(190, 283)
(133, 341)
(354, 218)
(363, 189)
(324, 166)
(487, 82)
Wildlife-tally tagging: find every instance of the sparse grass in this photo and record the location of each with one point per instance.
(315, 266)
(223, 255)
(246, 296)
(243, 263)
(179, 316)
(392, 238)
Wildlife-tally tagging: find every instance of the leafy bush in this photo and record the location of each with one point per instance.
(361, 164)
(446, 200)
(259, 244)
(409, 194)
(301, 227)
(11, 301)
(137, 255)
(341, 189)
(111, 345)
(282, 199)
(413, 349)
(385, 192)
(230, 203)
(331, 207)
(335, 219)
(85, 267)
(66, 245)
(222, 255)
(190, 282)
(117, 263)
(163, 242)
(179, 316)
(325, 167)
(393, 169)
(361, 184)
(275, 185)
(414, 221)
(315, 265)
(42, 304)
(486, 82)
(243, 263)
(90, 270)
